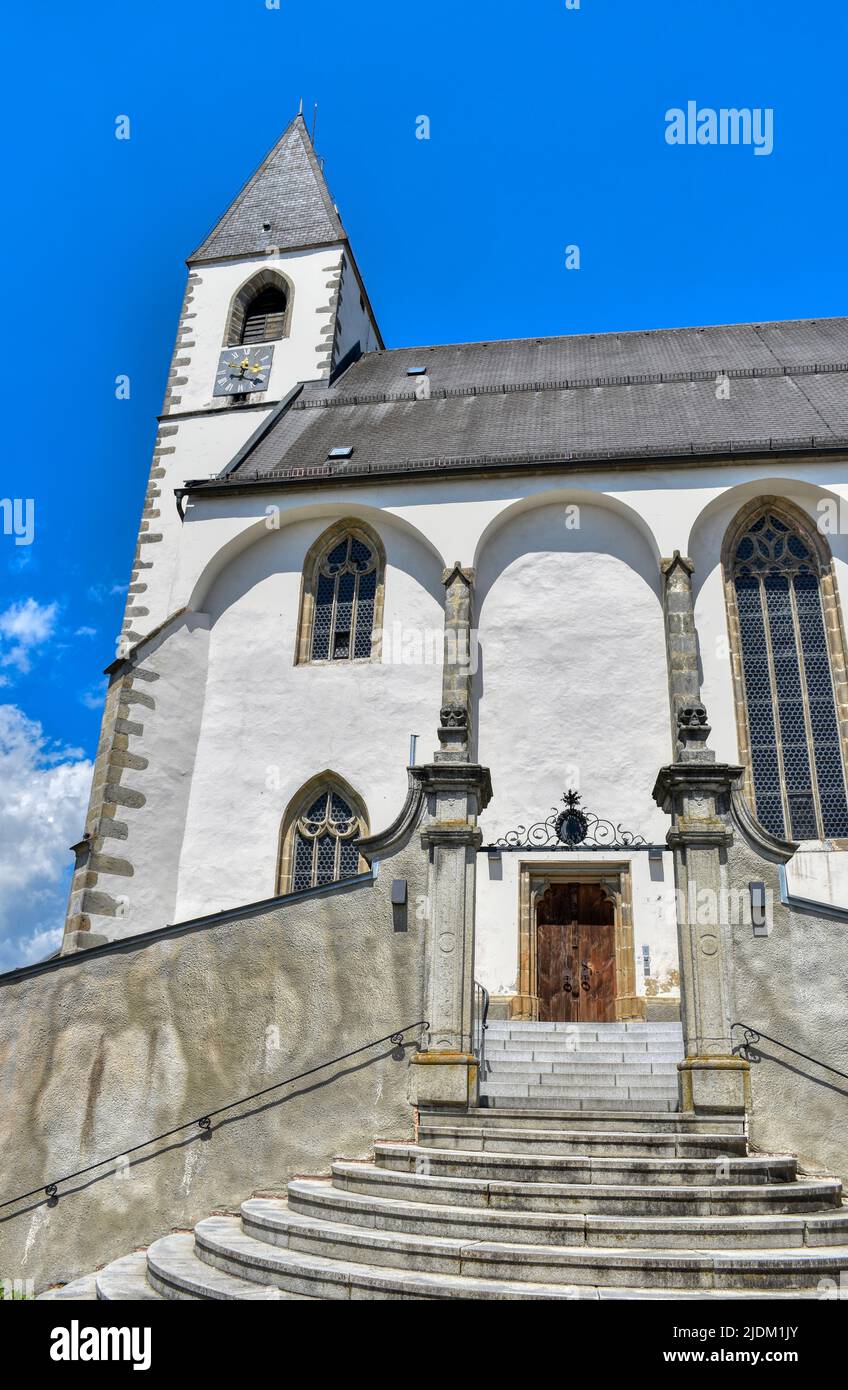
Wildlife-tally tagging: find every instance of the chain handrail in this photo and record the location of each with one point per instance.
(753, 1035)
(204, 1122)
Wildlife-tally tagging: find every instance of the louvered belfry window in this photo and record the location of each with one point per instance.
(346, 587)
(325, 848)
(265, 316)
(796, 751)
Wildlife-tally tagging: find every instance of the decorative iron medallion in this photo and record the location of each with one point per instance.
(570, 829)
(571, 825)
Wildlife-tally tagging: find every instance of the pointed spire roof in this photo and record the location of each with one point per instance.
(287, 191)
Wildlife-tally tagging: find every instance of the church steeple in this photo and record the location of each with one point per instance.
(285, 204)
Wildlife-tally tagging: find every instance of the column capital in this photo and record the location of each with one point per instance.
(677, 561)
(460, 571)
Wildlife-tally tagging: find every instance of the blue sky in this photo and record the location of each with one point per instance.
(547, 130)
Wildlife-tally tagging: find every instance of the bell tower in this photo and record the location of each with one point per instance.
(274, 298)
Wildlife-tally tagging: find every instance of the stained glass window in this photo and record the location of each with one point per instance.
(324, 847)
(796, 753)
(345, 593)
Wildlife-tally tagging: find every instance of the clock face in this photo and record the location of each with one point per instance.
(242, 369)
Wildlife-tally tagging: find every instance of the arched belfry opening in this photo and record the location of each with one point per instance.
(260, 311)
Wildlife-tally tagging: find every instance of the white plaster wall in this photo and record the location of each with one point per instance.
(295, 357)
(269, 725)
(571, 692)
(353, 320)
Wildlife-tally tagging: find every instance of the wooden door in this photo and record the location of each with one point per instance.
(575, 954)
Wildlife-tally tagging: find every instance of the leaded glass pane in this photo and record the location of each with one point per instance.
(796, 751)
(302, 871)
(325, 846)
(760, 710)
(344, 602)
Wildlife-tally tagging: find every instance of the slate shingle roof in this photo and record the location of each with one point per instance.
(289, 191)
(590, 397)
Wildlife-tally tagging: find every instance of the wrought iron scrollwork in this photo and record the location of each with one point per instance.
(569, 829)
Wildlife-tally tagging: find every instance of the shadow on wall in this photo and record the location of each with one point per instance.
(105, 1048)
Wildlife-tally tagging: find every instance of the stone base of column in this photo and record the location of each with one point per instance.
(524, 1008)
(715, 1085)
(443, 1078)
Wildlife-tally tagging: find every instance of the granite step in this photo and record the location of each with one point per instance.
(646, 1121)
(383, 1250)
(176, 1271)
(319, 1199)
(126, 1279)
(595, 1198)
(611, 1143)
(579, 1168)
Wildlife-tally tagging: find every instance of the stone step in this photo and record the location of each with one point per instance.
(596, 1198)
(319, 1199)
(580, 1072)
(79, 1290)
(578, 1095)
(599, 1143)
(543, 1100)
(567, 1056)
(601, 1051)
(578, 1168)
(799, 1267)
(126, 1280)
(176, 1272)
(635, 1028)
(648, 1121)
(231, 1250)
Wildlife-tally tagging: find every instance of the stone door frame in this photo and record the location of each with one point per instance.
(615, 878)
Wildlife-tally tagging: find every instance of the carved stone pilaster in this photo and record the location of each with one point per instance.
(445, 1071)
(696, 792)
(680, 637)
(455, 714)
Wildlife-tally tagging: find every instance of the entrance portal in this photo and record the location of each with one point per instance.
(575, 954)
(575, 928)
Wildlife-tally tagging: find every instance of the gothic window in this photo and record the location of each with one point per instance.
(320, 837)
(794, 746)
(341, 610)
(260, 311)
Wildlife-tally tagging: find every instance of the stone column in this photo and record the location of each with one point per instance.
(445, 1072)
(695, 791)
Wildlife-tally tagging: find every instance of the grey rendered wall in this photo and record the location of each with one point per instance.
(102, 1050)
(794, 985)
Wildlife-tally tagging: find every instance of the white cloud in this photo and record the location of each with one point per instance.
(86, 632)
(23, 627)
(94, 697)
(42, 812)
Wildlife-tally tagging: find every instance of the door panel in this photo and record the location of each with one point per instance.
(575, 954)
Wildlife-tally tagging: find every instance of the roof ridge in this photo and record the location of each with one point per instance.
(615, 333)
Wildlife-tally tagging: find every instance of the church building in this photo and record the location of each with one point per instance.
(490, 698)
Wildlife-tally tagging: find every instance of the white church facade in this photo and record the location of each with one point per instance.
(525, 657)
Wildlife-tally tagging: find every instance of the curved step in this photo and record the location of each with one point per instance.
(125, 1279)
(176, 1272)
(319, 1200)
(580, 1168)
(554, 1265)
(612, 1143)
(815, 1194)
(76, 1291)
(315, 1276)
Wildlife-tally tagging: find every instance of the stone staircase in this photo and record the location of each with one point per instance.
(517, 1204)
(582, 1066)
